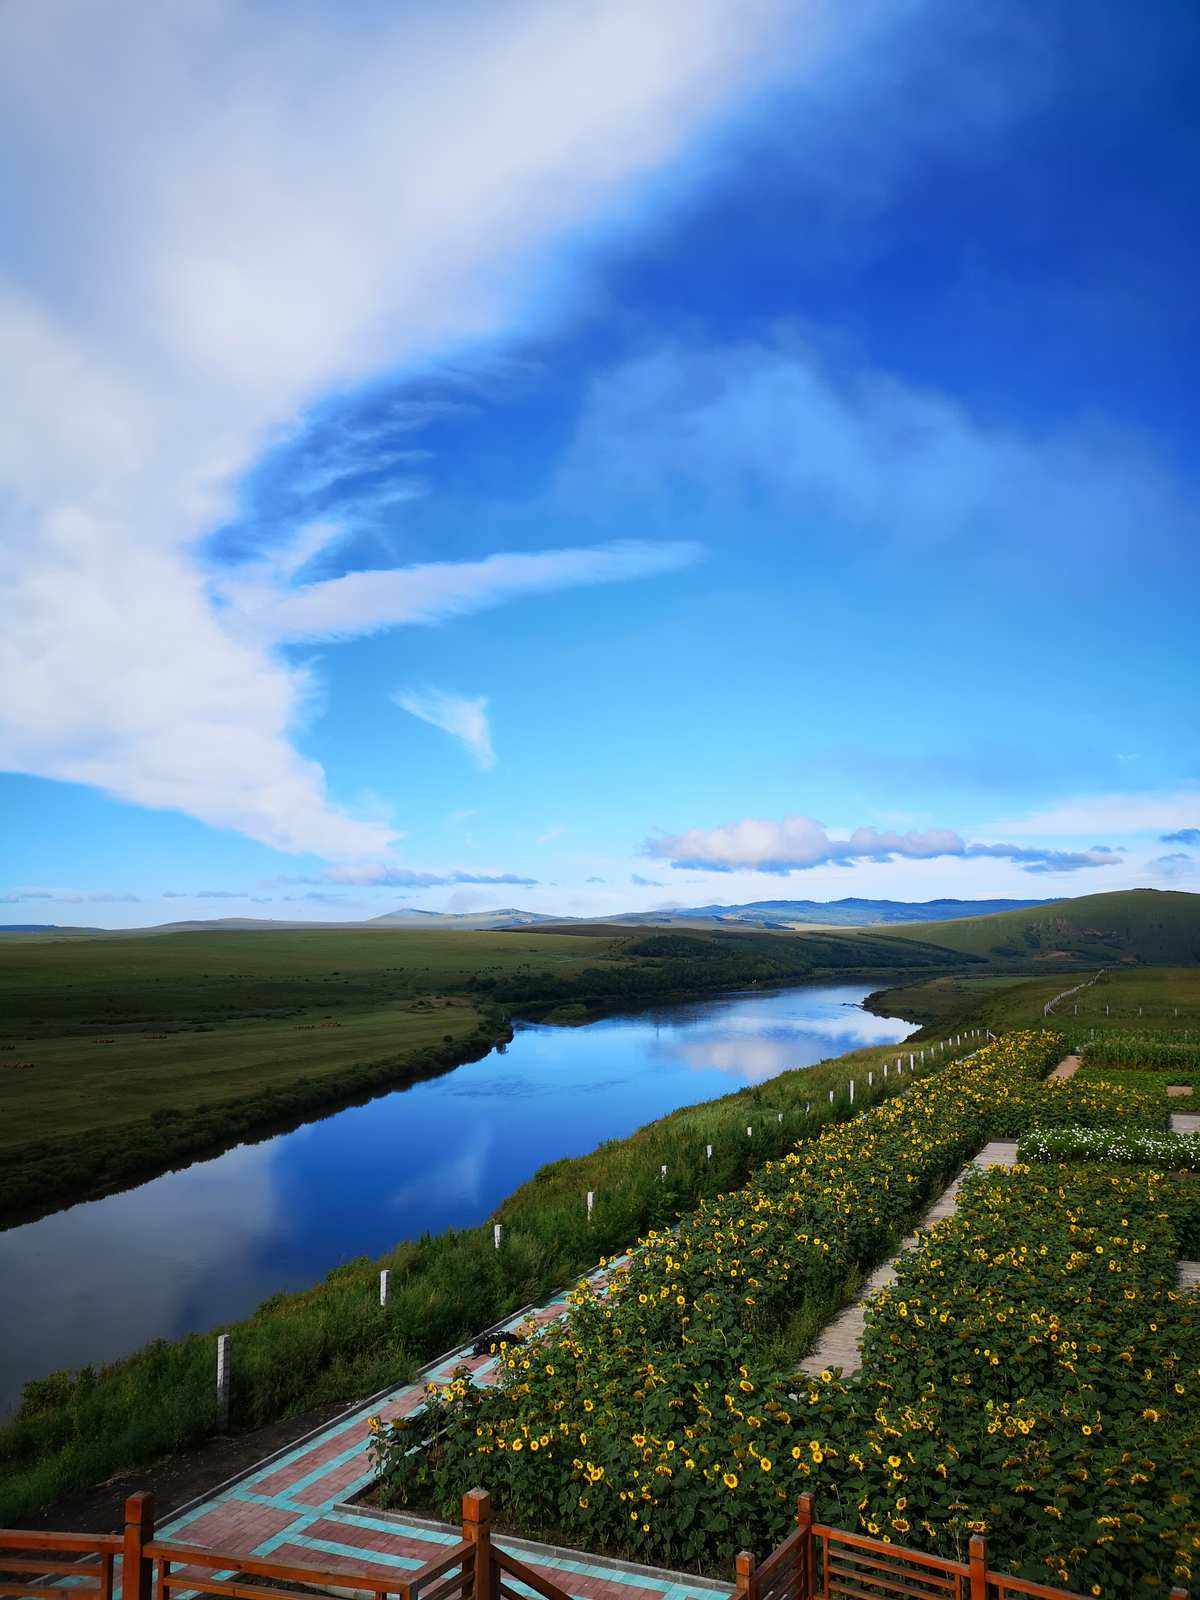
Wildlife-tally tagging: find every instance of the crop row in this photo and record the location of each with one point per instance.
(652, 1418)
(1033, 1373)
(1142, 1050)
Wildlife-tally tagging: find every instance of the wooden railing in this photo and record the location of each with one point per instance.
(815, 1562)
(157, 1569)
(818, 1562)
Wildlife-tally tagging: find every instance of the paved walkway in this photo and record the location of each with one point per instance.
(841, 1342)
(295, 1507)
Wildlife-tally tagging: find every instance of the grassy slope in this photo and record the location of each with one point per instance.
(1157, 927)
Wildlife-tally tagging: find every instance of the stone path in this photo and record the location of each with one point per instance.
(297, 1507)
(1189, 1274)
(841, 1342)
(1185, 1122)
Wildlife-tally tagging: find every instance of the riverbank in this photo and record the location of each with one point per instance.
(334, 1342)
(143, 1067)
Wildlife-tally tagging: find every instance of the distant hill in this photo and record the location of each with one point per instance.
(847, 913)
(506, 917)
(1159, 927)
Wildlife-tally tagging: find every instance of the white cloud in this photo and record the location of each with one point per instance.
(463, 718)
(364, 602)
(796, 844)
(849, 452)
(217, 211)
(1115, 813)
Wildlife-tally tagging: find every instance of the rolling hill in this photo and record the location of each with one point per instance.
(1153, 927)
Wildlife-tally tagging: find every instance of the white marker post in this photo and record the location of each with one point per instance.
(223, 1382)
(851, 1091)
(870, 1080)
(497, 1230)
(707, 1154)
(385, 1286)
(663, 1173)
(591, 1201)
(749, 1133)
(831, 1097)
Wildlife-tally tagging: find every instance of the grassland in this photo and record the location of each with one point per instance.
(1154, 927)
(121, 1057)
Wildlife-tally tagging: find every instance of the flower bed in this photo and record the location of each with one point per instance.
(1033, 1373)
(1170, 1152)
(649, 1420)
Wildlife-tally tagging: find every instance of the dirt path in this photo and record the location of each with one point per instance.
(1067, 1067)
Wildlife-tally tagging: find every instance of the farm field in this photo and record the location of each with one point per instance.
(706, 1447)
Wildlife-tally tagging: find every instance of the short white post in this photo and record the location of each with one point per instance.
(707, 1154)
(749, 1132)
(831, 1097)
(223, 1381)
(885, 1066)
(497, 1230)
(910, 1063)
(922, 1055)
(808, 1108)
(385, 1286)
(851, 1091)
(663, 1173)
(779, 1116)
(870, 1080)
(591, 1201)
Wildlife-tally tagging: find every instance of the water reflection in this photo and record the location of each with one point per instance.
(206, 1245)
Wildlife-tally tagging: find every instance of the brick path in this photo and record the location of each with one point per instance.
(293, 1508)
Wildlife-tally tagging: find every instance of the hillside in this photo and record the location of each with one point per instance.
(850, 912)
(1154, 927)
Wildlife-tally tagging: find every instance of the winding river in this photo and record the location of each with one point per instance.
(207, 1244)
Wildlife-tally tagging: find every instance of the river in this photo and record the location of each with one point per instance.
(208, 1244)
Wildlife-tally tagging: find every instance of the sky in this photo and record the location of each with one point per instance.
(594, 456)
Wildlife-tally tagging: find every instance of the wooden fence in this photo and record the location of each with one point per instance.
(67, 1566)
(817, 1562)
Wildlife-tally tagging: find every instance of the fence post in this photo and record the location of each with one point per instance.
(223, 1381)
(708, 1152)
(385, 1286)
(804, 1522)
(477, 1530)
(591, 1201)
(497, 1230)
(977, 1566)
(139, 1531)
(745, 1576)
(851, 1091)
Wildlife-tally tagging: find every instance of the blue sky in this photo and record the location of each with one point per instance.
(594, 458)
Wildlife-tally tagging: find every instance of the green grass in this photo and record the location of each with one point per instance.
(122, 1056)
(1121, 1001)
(335, 1342)
(1157, 927)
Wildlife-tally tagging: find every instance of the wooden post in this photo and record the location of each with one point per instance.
(807, 1564)
(139, 1531)
(223, 1382)
(477, 1530)
(746, 1577)
(977, 1567)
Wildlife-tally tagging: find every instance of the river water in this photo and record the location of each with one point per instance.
(206, 1245)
